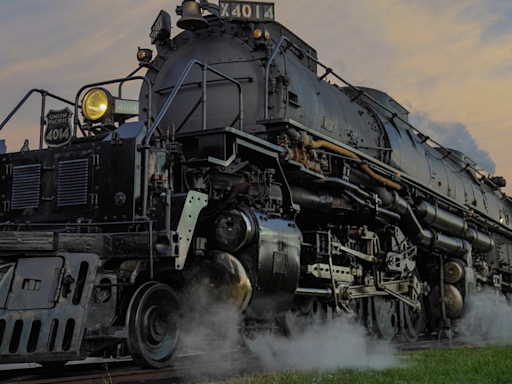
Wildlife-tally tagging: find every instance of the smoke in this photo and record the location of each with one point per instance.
(214, 329)
(209, 326)
(454, 135)
(337, 344)
(487, 315)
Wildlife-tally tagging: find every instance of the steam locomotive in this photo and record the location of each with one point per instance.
(249, 174)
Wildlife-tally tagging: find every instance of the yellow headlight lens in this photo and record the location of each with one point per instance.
(95, 104)
(257, 33)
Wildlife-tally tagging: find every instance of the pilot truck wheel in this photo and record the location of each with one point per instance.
(153, 325)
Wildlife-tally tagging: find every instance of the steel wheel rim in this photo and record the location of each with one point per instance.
(414, 322)
(153, 326)
(386, 316)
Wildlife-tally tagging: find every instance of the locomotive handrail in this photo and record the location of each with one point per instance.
(42, 121)
(205, 67)
(122, 80)
(329, 71)
(267, 72)
(120, 89)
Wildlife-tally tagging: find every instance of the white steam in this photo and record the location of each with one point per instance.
(488, 316)
(337, 344)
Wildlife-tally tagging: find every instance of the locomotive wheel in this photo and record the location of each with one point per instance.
(153, 325)
(385, 309)
(358, 306)
(307, 314)
(256, 337)
(413, 322)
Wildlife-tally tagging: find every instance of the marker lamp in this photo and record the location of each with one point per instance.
(257, 33)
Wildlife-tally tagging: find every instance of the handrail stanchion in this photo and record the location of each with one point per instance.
(120, 89)
(205, 97)
(42, 121)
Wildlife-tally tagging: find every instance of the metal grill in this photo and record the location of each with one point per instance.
(73, 180)
(26, 186)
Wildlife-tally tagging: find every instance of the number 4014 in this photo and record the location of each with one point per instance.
(57, 134)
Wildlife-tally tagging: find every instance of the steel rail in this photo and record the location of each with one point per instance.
(125, 371)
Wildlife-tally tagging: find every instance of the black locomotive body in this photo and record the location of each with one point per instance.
(250, 176)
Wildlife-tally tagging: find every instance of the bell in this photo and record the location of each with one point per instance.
(191, 18)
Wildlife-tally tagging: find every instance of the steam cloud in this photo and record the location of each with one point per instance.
(454, 135)
(338, 343)
(488, 316)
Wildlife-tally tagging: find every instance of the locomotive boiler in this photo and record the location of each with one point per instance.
(251, 176)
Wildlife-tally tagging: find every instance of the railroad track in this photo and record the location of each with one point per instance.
(187, 368)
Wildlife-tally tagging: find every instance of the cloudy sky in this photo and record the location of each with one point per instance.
(448, 62)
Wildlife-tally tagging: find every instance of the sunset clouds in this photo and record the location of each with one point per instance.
(449, 62)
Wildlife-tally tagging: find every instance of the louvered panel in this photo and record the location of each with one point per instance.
(26, 186)
(73, 182)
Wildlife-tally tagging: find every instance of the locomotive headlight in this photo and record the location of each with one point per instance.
(257, 33)
(96, 103)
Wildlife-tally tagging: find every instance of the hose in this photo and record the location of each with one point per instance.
(310, 143)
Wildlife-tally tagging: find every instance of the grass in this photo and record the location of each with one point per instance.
(457, 365)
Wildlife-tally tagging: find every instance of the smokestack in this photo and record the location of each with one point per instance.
(3, 147)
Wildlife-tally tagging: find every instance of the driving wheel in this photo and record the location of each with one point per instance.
(386, 316)
(307, 314)
(153, 325)
(413, 322)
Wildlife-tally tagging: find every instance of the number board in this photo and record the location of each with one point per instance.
(58, 127)
(126, 107)
(244, 10)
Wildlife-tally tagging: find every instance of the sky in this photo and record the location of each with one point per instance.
(448, 62)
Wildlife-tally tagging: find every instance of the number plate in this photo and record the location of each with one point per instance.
(243, 10)
(126, 107)
(58, 130)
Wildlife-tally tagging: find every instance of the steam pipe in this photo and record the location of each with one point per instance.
(336, 181)
(441, 219)
(453, 225)
(426, 237)
(325, 293)
(318, 201)
(479, 240)
(315, 144)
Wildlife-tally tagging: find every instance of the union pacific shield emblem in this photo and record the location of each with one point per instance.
(58, 127)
